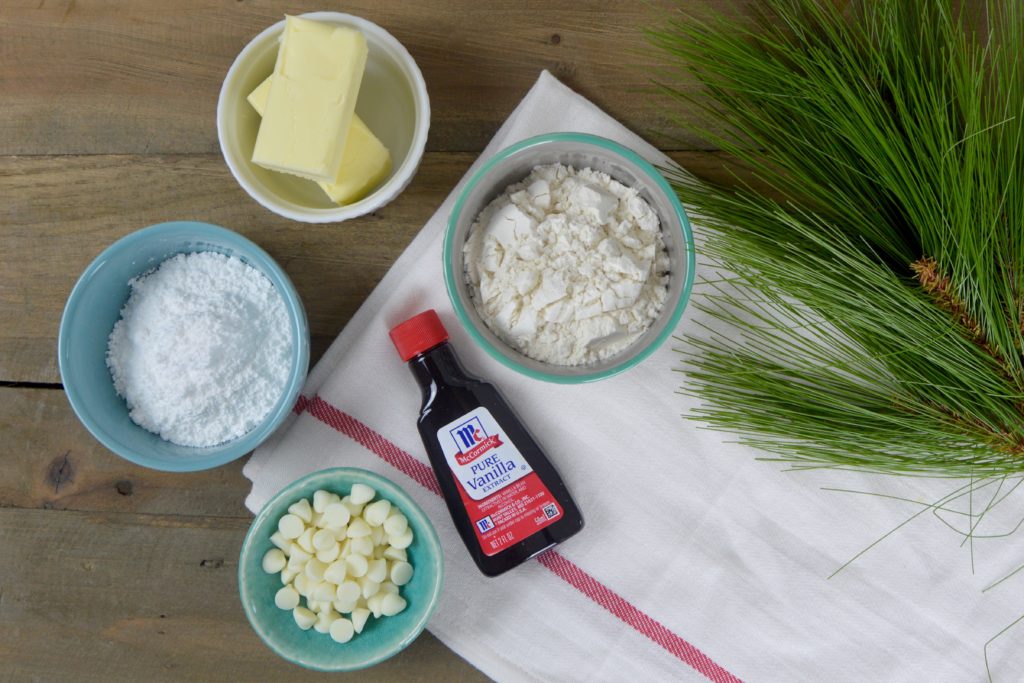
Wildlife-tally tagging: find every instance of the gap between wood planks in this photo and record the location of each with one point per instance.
(5, 384)
(160, 519)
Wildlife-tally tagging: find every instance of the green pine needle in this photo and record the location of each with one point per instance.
(870, 311)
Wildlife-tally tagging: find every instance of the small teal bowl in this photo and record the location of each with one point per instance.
(381, 638)
(95, 305)
(580, 150)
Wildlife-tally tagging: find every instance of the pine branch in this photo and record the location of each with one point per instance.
(890, 129)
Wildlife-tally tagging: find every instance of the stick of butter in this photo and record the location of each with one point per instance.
(364, 163)
(312, 99)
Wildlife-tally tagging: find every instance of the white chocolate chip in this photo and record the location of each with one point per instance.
(398, 554)
(291, 526)
(377, 570)
(359, 617)
(361, 494)
(354, 509)
(324, 539)
(298, 554)
(315, 569)
(303, 584)
(297, 564)
(274, 561)
(302, 510)
(278, 539)
(401, 573)
(325, 591)
(356, 565)
(376, 512)
(297, 560)
(286, 598)
(341, 630)
(336, 516)
(361, 546)
(304, 618)
(368, 586)
(329, 555)
(401, 541)
(305, 540)
(348, 592)
(335, 572)
(325, 618)
(388, 587)
(373, 603)
(392, 604)
(320, 500)
(358, 528)
(395, 525)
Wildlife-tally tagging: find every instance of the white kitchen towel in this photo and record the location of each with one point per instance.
(697, 560)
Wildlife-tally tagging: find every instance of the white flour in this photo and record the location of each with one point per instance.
(568, 267)
(203, 348)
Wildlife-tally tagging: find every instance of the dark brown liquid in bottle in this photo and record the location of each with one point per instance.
(451, 395)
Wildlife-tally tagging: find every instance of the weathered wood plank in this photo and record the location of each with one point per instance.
(51, 462)
(95, 76)
(58, 213)
(100, 597)
(62, 211)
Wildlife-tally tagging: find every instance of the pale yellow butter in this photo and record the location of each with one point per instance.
(364, 163)
(312, 99)
(258, 97)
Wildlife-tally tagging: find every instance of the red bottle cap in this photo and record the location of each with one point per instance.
(418, 333)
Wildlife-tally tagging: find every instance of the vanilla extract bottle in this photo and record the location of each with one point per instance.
(504, 495)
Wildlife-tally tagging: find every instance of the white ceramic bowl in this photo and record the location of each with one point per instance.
(392, 100)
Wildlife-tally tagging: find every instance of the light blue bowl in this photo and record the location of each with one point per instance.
(95, 305)
(580, 150)
(381, 638)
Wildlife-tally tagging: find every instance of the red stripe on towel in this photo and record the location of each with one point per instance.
(626, 611)
(374, 442)
(561, 567)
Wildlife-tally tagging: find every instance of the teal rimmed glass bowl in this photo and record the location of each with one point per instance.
(95, 305)
(579, 150)
(381, 638)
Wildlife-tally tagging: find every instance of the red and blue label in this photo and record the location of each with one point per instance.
(506, 500)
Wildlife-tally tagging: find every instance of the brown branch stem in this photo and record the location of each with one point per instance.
(938, 285)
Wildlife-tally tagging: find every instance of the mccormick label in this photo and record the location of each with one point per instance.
(506, 500)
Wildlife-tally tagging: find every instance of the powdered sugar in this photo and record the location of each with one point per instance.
(202, 351)
(567, 266)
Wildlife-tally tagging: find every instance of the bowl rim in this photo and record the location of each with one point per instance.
(406, 502)
(231, 450)
(399, 180)
(655, 177)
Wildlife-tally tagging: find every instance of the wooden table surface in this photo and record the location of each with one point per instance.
(109, 571)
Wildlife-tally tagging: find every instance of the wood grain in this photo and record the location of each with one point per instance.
(105, 77)
(62, 211)
(114, 596)
(51, 462)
